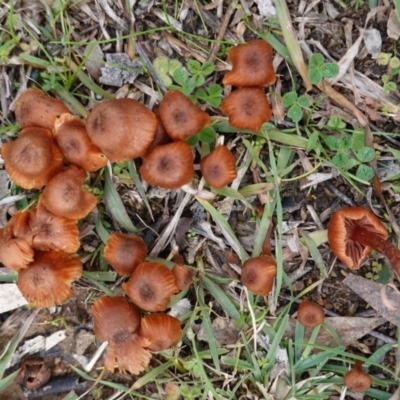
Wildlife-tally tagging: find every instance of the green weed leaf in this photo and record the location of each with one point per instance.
(312, 142)
(366, 154)
(188, 86)
(295, 113)
(194, 66)
(316, 60)
(289, 99)
(340, 160)
(344, 142)
(365, 172)
(331, 142)
(181, 75)
(214, 101)
(215, 90)
(304, 101)
(201, 94)
(315, 76)
(329, 70)
(193, 140)
(207, 135)
(198, 80)
(335, 122)
(207, 68)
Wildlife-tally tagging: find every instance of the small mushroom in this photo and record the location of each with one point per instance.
(65, 196)
(251, 65)
(354, 231)
(72, 138)
(47, 280)
(33, 158)
(247, 108)
(125, 252)
(161, 329)
(123, 128)
(183, 276)
(258, 274)
(35, 109)
(310, 314)
(180, 117)
(219, 167)
(169, 166)
(151, 286)
(356, 379)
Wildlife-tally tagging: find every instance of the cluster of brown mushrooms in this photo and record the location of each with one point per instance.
(150, 287)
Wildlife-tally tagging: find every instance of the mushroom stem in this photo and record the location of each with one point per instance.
(378, 243)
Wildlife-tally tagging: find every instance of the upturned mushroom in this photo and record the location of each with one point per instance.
(180, 117)
(123, 128)
(65, 196)
(247, 108)
(33, 158)
(258, 274)
(219, 167)
(151, 286)
(251, 65)
(354, 231)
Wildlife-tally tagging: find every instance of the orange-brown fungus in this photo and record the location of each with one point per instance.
(123, 129)
(125, 252)
(219, 167)
(310, 314)
(65, 196)
(161, 136)
(16, 251)
(169, 166)
(356, 379)
(73, 140)
(180, 117)
(35, 108)
(343, 230)
(161, 329)
(247, 108)
(53, 232)
(116, 321)
(183, 276)
(32, 159)
(258, 274)
(47, 280)
(151, 286)
(251, 65)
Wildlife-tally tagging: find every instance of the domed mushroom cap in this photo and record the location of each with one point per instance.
(183, 276)
(33, 158)
(123, 129)
(161, 329)
(47, 280)
(53, 232)
(357, 380)
(169, 166)
(310, 314)
(161, 136)
(65, 196)
(219, 167)
(15, 254)
(129, 353)
(151, 286)
(247, 108)
(251, 65)
(258, 274)
(125, 252)
(35, 108)
(343, 225)
(73, 140)
(180, 117)
(114, 318)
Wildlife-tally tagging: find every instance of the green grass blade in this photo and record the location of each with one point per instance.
(101, 231)
(277, 340)
(115, 205)
(8, 380)
(98, 284)
(152, 375)
(71, 396)
(315, 254)
(225, 228)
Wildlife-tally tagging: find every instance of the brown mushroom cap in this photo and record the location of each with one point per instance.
(114, 317)
(169, 166)
(251, 65)
(183, 276)
(161, 136)
(357, 380)
(123, 129)
(151, 286)
(73, 140)
(258, 274)
(342, 226)
(33, 158)
(310, 314)
(161, 329)
(65, 196)
(180, 117)
(247, 108)
(125, 252)
(219, 167)
(130, 353)
(35, 108)
(47, 280)
(53, 232)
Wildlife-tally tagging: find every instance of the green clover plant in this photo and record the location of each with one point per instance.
(318, 69)
(295, 105)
